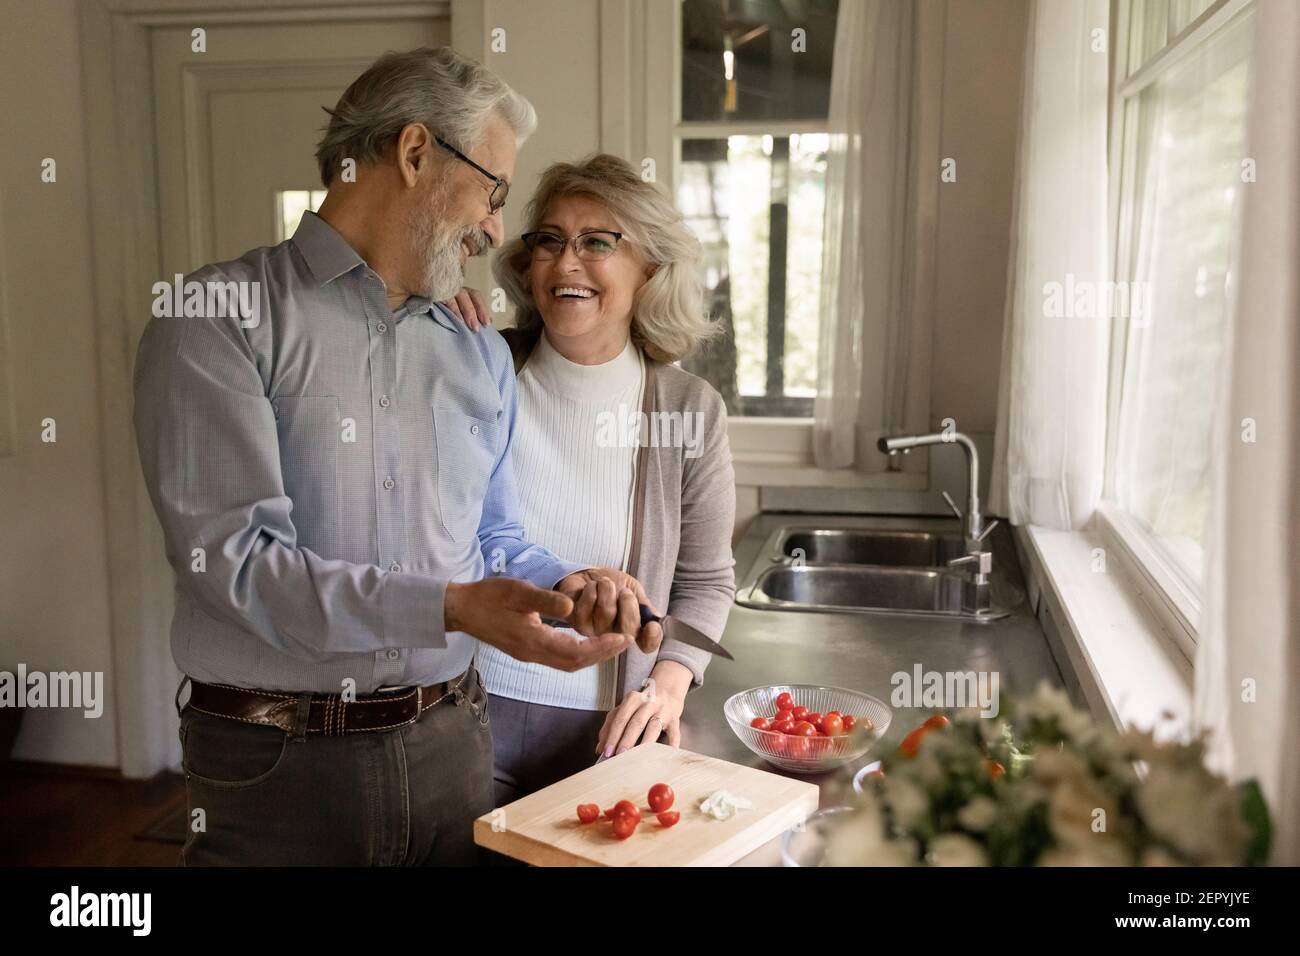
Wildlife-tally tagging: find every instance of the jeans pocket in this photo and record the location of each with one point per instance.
(476, 696)
(228, 755)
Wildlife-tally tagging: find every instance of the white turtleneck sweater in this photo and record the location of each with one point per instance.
(575, 497)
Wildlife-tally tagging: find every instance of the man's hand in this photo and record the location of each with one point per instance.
(605, 599)
(469, 307)
(507, 614)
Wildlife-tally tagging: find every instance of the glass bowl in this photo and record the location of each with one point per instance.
(806, 754)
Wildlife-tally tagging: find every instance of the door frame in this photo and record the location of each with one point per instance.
(117, 86)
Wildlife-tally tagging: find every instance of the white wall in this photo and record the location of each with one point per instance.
(53, 579)
(984, 52)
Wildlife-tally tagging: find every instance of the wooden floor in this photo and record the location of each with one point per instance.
(66, 817)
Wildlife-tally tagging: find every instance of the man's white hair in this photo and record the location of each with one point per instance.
(450, 94)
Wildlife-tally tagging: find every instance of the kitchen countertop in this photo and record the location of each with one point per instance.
(857, 651)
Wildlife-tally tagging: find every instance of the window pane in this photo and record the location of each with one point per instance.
(742, 60)
(1191, 145)
(1183, 12)
(290, 204)
(1148, 31)
(756, 203)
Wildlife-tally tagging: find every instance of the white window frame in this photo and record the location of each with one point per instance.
(766, 450)
(759, 444)
(1175, 600)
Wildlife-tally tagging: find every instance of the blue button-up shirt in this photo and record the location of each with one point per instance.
(322, 467)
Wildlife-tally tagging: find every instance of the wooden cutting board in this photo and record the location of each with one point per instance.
(543, 828)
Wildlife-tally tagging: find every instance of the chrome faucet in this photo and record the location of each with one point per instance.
(977, 561)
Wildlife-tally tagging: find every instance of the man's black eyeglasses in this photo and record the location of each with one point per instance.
(500, 188)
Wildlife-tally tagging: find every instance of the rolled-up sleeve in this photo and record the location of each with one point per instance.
(210, 455)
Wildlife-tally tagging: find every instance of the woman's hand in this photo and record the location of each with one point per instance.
(469, 307)
(644, 714)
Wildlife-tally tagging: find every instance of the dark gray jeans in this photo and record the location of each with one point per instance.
(403, 797)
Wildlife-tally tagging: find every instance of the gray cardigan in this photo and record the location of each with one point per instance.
(683, 515)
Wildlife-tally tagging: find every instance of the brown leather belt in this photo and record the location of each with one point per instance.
(327, 714)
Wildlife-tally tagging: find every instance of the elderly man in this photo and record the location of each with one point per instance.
(333, 480)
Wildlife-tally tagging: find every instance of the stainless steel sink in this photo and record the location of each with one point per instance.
(872, 565)
(918, 549)
(866, 588)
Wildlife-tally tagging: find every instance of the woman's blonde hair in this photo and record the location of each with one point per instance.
(668, 319)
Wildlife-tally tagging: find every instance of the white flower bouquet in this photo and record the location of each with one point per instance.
(1043, 785)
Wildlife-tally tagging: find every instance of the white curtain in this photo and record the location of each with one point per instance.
(1248, 658)
(1049, 449)
(870, 247)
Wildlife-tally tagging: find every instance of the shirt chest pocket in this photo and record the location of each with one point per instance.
(468, 440)
(308, 430)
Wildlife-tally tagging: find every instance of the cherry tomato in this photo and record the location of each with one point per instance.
(849, 721)
(784, 701)
(833, 725)
(625, 825)
(798, 713)
(994, 769)
(782, 726)
(812, 717)
(661, 797)
(669, 817)
(797, 748)
(912, 742)
(759, 722)
(783, 715)
(804, 729)
(588, 812)
(626, 808)
(609, 814)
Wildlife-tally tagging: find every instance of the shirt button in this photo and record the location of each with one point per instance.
(473, 429)
(394, 567)
(389, 483)
(383, 401)
(394, 653)
(383, 327)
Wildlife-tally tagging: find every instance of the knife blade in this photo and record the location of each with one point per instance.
(673, 628)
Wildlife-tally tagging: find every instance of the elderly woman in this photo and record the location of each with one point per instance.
(621, 459)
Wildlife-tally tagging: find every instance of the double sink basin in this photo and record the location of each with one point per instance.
(885, 566)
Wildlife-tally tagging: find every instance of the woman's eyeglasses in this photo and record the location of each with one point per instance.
(591, 246)
(500, 188)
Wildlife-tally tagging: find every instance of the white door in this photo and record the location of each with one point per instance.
(237, 125)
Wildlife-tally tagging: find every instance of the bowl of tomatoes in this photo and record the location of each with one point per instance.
(807, 728)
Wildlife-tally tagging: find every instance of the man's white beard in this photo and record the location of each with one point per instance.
(443, 273)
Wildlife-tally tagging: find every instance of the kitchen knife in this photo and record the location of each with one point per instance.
(673, 628)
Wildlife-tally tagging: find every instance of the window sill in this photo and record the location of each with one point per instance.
(1111, 646)
(779, 452)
